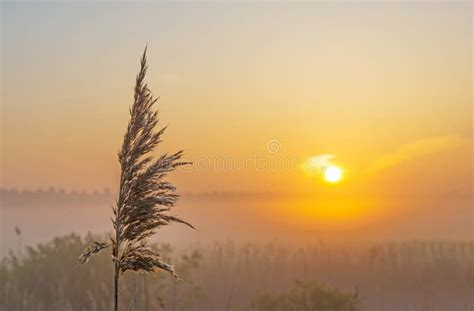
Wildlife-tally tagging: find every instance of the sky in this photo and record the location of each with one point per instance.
(250, 92)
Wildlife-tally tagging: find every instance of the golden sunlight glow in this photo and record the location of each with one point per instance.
(328, 212)
(332, 174)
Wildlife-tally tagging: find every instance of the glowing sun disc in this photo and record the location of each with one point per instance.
(332, 174)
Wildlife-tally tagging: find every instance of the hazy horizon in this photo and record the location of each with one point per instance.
(258, 95)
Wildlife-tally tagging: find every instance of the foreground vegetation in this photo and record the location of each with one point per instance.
(225, 276)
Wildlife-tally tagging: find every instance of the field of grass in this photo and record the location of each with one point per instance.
(418, 275)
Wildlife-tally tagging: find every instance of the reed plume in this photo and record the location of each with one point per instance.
(145, 196)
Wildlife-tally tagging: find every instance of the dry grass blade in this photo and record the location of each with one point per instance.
(145, 196)
(91, 250)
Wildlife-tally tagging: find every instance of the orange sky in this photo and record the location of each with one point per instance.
(385, 88)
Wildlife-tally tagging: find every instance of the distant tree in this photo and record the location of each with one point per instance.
(144, 194)
(306, 297)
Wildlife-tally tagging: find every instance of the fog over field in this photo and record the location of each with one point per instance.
(261, 217)
(390, 266)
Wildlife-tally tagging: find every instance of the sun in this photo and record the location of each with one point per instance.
(332, 174)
